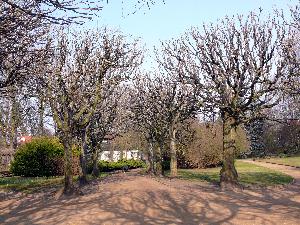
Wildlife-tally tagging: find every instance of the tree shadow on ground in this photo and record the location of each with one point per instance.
(131, 199)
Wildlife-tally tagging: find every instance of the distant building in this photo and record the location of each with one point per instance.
(112, 154)
(117, 155)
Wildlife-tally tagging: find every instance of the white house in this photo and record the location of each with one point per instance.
(117, 155)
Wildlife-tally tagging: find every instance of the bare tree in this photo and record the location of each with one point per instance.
(21, 37)
(238, 67)
(178, 102)
(144, 115)
(107, 119)
(66, 11)
(161, 105)
(24, 23)
(75, 83)
(10, 118)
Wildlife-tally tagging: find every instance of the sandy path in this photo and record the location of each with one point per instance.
(134, 199)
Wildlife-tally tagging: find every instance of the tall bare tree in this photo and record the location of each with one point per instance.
(161, 105)
(66, 11)
(24, 23)
(75, 82)
(108, 117)
(144, 115)
(21, 36)
(237, 65)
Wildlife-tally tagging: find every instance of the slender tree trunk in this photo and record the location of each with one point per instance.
(173, 156)
(14, 123)
(159, 164)
(41, 117)
(69, 186)
(228, 173)
(83, 170)
(96, 171)
(151, 158)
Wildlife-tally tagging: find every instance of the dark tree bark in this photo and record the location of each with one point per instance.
(173, 152)
(159, 169)
(228, 173)
(151, 158)
(83, 164)
(41, 130)
(96, 171)
(68, 185)
(14, 121)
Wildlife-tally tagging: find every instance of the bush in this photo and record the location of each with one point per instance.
(105, 166)
(38, 158)
(206, 149)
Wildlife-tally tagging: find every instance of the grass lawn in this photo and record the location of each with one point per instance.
(292, 161)
(30, 184)
(249, 174)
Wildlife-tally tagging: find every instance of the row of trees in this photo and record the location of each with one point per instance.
(91, 82)
(72, 77)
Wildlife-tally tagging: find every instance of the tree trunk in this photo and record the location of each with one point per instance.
(151, 158)
(159, 170)
(14, 122)
(83, 170)
(96, 171)
(228, 173)
(69, 187)
(173, 156)
(41, 117)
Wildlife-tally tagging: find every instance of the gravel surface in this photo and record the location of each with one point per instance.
(131, 198)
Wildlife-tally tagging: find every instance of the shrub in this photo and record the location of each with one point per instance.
(105, 166)
(206, 149)
(41, 157)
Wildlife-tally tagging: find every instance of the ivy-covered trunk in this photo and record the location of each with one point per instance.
(96, 171)
(228, 173)
(83, 153)
(173, 156)
(69, 186)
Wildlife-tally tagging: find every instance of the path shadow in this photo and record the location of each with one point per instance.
(131, 199)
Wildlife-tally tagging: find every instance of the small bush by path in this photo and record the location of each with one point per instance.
(249, 174)
(42, 157)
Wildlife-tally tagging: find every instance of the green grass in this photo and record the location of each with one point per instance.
(249, 174)
(26, 183)
(31, 184)
(292, 161)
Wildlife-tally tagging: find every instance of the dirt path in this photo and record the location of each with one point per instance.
(134, 199)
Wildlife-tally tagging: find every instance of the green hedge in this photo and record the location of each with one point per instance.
(105, 166)
(37, 158)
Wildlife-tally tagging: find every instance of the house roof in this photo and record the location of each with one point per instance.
(24, 139)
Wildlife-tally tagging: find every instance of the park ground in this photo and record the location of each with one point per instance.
(132, 198)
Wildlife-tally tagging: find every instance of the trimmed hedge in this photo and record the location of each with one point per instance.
(105, 166)
(41, 157)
